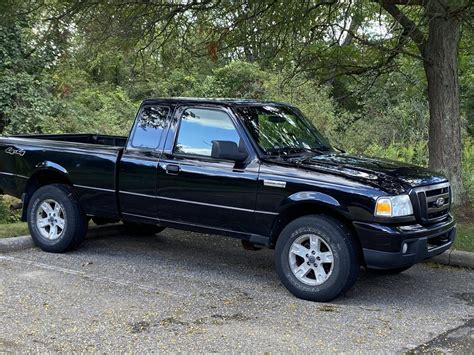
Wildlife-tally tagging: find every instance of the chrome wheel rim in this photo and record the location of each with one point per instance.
(51, 219)
(311, 259)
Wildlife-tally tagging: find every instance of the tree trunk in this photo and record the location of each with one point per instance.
(441, 67)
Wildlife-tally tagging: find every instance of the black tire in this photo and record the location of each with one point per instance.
(393, 271)
(133, 228)
(345, 267)
(75, 227)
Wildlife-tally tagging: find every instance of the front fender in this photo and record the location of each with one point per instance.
(312, 197)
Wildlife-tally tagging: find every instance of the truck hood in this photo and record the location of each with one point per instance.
(392, 176)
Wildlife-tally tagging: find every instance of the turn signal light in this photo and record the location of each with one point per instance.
(383, 207)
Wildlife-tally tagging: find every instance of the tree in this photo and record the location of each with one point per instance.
(26, 100)
(439, 51)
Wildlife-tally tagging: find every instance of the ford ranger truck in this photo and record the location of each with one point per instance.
(254, 170)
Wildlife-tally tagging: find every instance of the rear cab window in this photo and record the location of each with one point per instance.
(149, 126)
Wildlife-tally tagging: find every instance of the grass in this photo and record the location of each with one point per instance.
(13, 229)
(464, 237)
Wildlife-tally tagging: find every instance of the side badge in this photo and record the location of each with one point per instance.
(274, 183)
(13, 151)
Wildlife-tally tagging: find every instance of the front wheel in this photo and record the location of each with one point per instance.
(316, 258)
(55, 219)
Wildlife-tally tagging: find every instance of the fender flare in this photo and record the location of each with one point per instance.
(40, 168)
(50, 166)
(315, 198)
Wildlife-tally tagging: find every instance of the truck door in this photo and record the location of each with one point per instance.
(137, 173)
(195, 189)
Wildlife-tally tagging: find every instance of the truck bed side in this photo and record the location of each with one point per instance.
(26, 163)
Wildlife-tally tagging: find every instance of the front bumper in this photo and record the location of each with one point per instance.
(383, 244)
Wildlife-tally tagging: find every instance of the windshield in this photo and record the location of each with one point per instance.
(280, 130)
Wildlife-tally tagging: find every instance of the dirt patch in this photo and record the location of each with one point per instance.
(464, 215)
(215, 319)
(172, 321)
(328, 308)
(139, 327)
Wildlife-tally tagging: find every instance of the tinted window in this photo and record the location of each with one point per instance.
(149, 127)
(199, 127)
(281, 130)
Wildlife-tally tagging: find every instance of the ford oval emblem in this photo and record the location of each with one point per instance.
(439, 202)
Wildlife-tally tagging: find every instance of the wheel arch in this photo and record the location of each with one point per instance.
(311, 203)
(47, 173)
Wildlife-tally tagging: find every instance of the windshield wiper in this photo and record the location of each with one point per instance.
(321, 148)
(288, 152)
(285, 151)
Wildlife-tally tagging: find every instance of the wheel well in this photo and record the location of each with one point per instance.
(40, 179)
(305, 209)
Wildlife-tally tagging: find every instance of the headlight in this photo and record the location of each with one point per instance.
(393, 206)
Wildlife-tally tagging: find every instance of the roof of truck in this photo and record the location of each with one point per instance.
(210, 101)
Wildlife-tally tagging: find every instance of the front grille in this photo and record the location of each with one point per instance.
(431, 203)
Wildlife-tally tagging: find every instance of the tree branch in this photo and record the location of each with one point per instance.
(410, 28)
(405, 2)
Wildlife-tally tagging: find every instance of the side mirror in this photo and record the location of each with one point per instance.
(227, 150)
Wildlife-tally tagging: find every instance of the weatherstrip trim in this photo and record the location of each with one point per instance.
(11, 174)
(94, 188)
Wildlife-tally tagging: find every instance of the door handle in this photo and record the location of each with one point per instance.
(172, 169)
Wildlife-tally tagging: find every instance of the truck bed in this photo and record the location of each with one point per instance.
(88, 161)
(100, 139)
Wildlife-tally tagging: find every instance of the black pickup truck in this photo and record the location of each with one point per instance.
(258, 171)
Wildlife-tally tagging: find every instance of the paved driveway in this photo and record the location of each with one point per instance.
(181, 291)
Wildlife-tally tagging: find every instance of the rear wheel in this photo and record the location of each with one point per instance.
(55, 219)
(316, 258)
(142, 229)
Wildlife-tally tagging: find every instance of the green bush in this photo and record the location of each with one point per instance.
(416, 153)
(6, 216)
(468, 167)
(4, 212)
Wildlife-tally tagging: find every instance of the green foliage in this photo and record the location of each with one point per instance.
(4, 212)
(13, 229)
(96, 110)
(26, 102)
(464, 237)
(237, 79)
(416, 153)
(6, 216)
(468, 167)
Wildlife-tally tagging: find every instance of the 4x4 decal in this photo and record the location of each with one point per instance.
(13, 151)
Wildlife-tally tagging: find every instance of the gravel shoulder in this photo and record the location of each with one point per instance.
(182, 291)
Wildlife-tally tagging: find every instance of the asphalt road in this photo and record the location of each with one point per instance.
(181, 291)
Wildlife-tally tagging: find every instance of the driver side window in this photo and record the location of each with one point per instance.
(199, 127)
